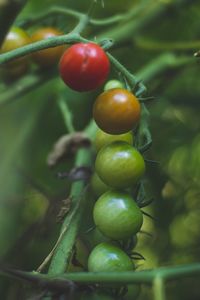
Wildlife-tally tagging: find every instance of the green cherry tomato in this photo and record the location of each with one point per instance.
(98, 186)
(106, 257)
(102, 138)
(117, 215)
(119, 165)
(113, 84)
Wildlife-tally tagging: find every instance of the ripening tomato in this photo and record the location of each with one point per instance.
(102, 138)
(116, 111)
(84, 66)
(119, 165)
(15, 38)
(51, 56)
(117, 215)
(106, 257)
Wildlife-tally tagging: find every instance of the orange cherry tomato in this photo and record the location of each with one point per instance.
(116, 111)
(47, 57)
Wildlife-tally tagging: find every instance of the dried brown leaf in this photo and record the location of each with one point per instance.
(66, 146)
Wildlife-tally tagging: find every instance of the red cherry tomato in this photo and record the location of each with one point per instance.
(84, 67)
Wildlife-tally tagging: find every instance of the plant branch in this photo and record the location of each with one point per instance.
(63, 250)
(70, 38)
(58, 10)
(158, 275)
(132, 80)
(159, 288)
(43, 44)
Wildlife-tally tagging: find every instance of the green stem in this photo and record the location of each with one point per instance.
(143, 136)
(157, 277)
(83, 21)
(58, 10)
(132, 80)
(70, 38)
(150, 11)
(67, 116)
(71, 223)
(44, 44)
(159, 288)
(9, 9)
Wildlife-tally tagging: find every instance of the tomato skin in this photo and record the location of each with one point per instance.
(106, 257)
(116, 111)
(98, 186)
(119, 165)
(15, 38)
(47, 57)
(102, 138)
(117, 215)
(84, 66)
(113, 84)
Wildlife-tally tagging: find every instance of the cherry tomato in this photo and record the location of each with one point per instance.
(94, 237)
(84, 67)
(16, 38)
(117, 215)
(47, 57)
(119, 165)
(116, 111)
(102, 138)
(113, 84)
(98, 186)
(106, 257)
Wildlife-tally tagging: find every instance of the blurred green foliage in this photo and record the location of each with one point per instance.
(30, 125)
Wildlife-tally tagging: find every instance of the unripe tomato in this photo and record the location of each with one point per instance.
(113, 84)
(106, 257)
(102, 138)
(15, 38)
(119, 165)
(117, 215)
(84, 67)
(98, 186)
(116, 111)
(51, 56)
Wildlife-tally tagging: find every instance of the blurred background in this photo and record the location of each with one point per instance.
(157, 44)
